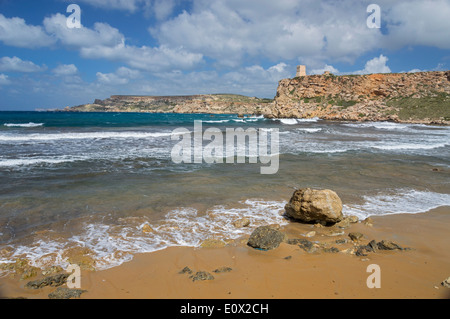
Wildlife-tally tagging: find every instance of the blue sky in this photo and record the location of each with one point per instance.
(176, 47)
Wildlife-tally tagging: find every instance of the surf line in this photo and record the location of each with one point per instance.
(238, 143)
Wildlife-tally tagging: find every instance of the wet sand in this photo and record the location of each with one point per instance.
(415, 273)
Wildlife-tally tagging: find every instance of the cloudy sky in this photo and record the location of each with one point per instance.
(176, 47)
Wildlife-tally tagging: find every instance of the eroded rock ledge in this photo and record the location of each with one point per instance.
(422, 97)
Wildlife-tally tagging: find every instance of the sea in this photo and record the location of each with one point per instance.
(108, 182)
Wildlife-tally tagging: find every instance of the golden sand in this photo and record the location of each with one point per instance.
(286, 272)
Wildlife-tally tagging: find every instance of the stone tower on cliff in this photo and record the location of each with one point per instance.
(301, 70)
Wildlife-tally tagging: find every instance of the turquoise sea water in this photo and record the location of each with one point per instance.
(95, 179)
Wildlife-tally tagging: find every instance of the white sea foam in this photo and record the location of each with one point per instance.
(30, 124)
(216, 121)
(312, 119)
(397, 202)
(410, 146)
(256, 117)
(383, 125)
(309, 130)
(329, 150)
(291, 121)
(115, 244)
(288, 121)
(39, 160)
(81, 136)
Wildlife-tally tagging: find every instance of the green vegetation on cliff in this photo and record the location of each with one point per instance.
(430, 106)
(420, 97)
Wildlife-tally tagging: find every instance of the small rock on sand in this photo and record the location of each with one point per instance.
(223, 269)
(66, 293)
(310, 234)
(388, 245)
(147, 228)
(368, 222)
(331, 250)
(355, 236)
(185, 270)
(202, 275)
(334, 233)
(304, 244)
(53, 281)
(242, 222)
(266, 238)
(347, 221)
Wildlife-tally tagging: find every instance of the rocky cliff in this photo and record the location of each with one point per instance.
(208, 103)
(422, 97)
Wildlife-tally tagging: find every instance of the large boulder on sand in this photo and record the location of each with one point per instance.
(315, 206)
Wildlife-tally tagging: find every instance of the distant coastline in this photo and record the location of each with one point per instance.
(421, 97)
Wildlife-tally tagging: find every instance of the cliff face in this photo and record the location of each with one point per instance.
(422, 97)
(210, 103)
(410, 97)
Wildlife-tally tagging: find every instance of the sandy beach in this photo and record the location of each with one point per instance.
(287, 272)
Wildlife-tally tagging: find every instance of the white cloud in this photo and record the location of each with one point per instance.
(232, 31)
(111, 79)
(106, 42)
(152, 59)
(414, 71)
(327, 67)
(128, 73)
(418, 23)
(438, 67)
(127, 5)
(222, 45)
(68, 74)
(102, 34)
(254, 80)
(162, 9)
(16, 64)
(122, 76)
(65, 70)
(15, 32)
(205, 33)
(375, 65)
(4, 79)
(229, 30)
(257, 74)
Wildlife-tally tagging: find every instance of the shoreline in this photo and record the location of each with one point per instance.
(271, 117)
(245, 115)
(397, 121)
(287, 272)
